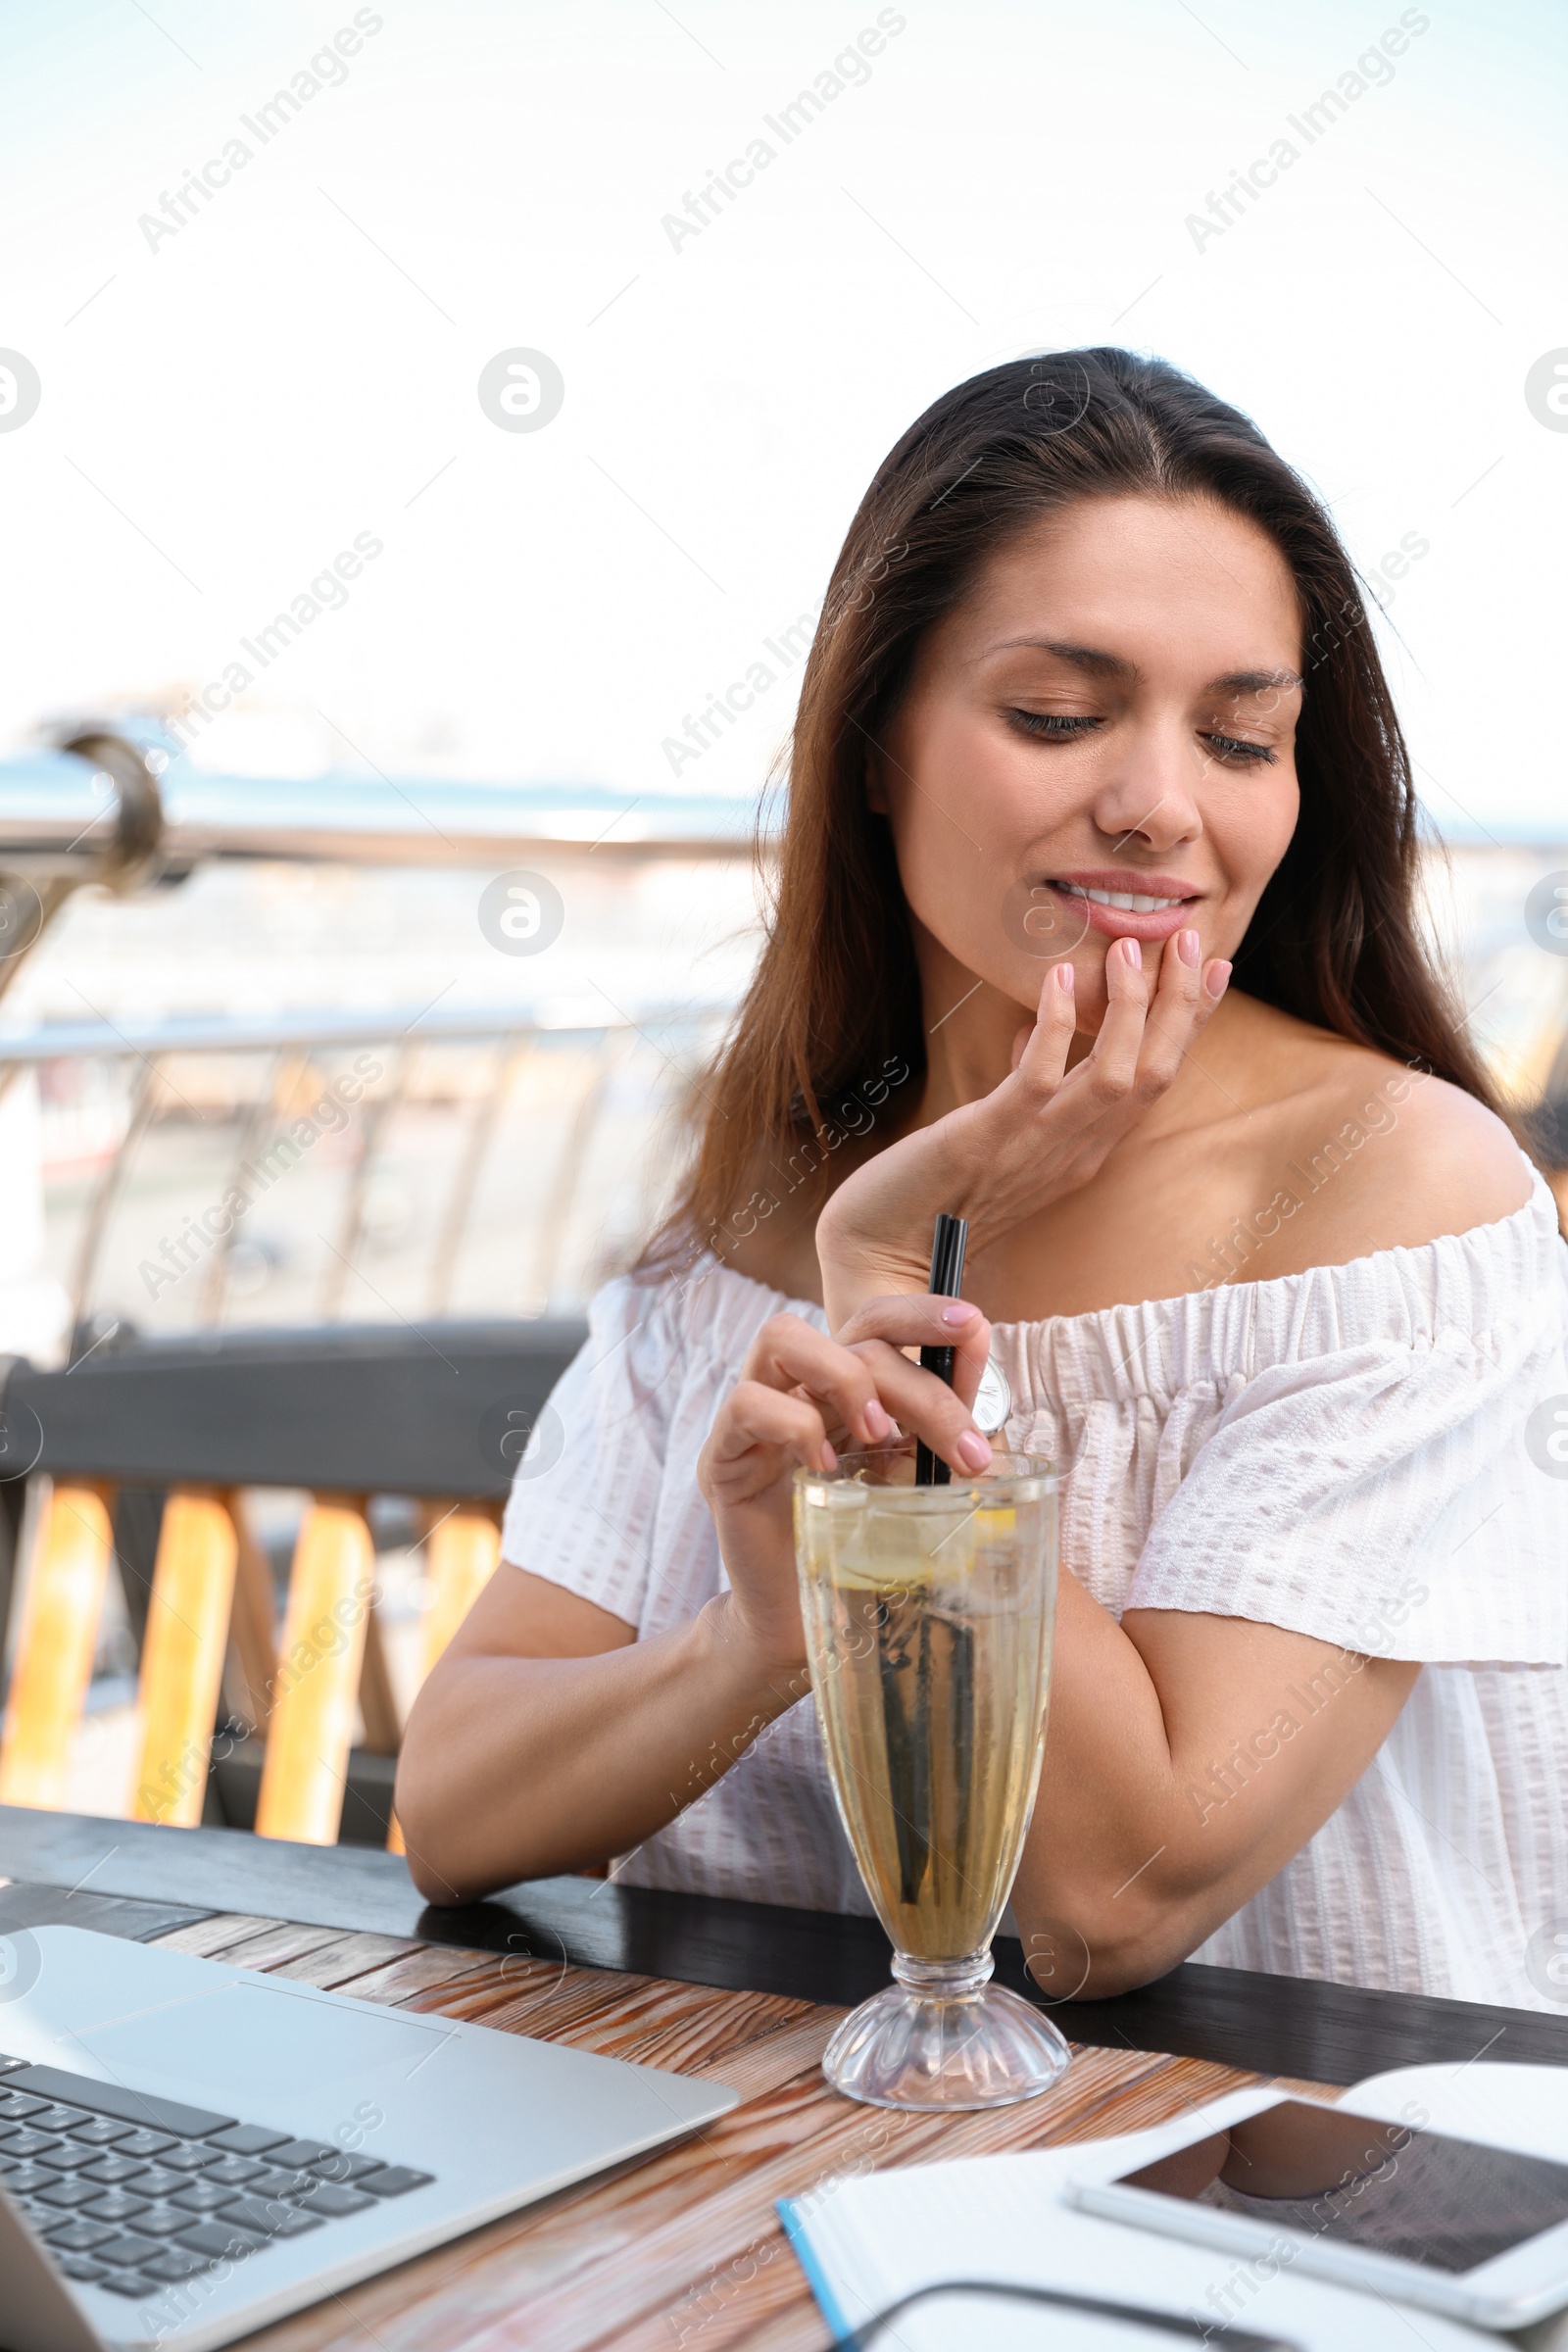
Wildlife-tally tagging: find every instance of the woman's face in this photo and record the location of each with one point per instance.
(1109, 716)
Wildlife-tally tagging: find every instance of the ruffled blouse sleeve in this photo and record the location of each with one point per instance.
(606, 1503)
(1382, 1493)
(584, 1500)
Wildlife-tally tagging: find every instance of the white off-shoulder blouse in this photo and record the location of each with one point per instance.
(1349, 1452)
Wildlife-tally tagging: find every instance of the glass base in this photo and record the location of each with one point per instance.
(943, 2037)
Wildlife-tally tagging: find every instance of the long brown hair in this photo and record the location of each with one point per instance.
(833, 1017)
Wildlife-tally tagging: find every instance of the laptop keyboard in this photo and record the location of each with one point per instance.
(137, 2194)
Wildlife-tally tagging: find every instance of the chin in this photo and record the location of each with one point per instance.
(1091, 999)
(1093, 1006)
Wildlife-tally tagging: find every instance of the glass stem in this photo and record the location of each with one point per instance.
(945, 1980)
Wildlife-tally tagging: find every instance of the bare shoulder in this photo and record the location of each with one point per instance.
(1382, 1157)
(1451, 1151)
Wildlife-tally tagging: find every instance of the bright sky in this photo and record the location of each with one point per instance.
(227, 408)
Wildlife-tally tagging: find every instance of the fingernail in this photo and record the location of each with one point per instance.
(973, 1449)
(959, 1311)
(876, 1421)
(1132, 952)
(1064, 978)
(1219, 979)
(830, 1460)
(1187, 946)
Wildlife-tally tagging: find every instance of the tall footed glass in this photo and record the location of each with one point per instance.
(929, 1613)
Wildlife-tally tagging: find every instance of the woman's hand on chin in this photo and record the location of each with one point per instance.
(1043, 1133)
(802, 1399)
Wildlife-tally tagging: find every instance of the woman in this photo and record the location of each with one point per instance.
(1094, 719)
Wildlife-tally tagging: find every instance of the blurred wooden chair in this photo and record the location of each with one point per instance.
(181, 1430)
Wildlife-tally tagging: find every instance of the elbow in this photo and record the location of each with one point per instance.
(430, 1847)
(421, 1840)
(1128, 1964)
(429, 1883)
(1094, 1951)
(436, 1870)
(460, 1843)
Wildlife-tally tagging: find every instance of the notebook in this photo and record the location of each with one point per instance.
(865, 2242)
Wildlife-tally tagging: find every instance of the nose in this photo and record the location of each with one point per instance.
(1149, 798)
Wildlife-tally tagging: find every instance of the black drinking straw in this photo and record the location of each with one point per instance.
(947, 1280)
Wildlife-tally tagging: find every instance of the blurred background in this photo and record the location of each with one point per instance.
(425, 433)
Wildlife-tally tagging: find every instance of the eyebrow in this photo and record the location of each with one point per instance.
(1081, 656)
(1102, 665)
(1253, 681)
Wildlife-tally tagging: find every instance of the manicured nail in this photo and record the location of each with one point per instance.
(973, 1449)
(1064, 978)
(1219, 979)
(959, 1311)
(830, 1460)
(1187, 946)
(1132, 954)
(876, 1421)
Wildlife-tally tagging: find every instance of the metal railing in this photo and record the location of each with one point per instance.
(156, 1508)
(119, 797)
(217, 1117)
(119, 802)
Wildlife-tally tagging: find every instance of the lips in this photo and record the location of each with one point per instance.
(1103, 903)
(1130, 902)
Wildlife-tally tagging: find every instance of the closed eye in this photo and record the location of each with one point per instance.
(1232, 747)
(1051, 726)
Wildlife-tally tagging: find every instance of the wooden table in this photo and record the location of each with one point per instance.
(684, 2249)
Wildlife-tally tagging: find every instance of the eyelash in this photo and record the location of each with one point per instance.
(1051, 726)
(1247, 754)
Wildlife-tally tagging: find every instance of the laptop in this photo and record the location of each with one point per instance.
(189, 2151)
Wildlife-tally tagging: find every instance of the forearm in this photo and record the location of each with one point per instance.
(1107, 1799)
(516, 1766)
(1182, 1771)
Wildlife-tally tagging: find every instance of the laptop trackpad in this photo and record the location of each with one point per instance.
(219, 2038)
